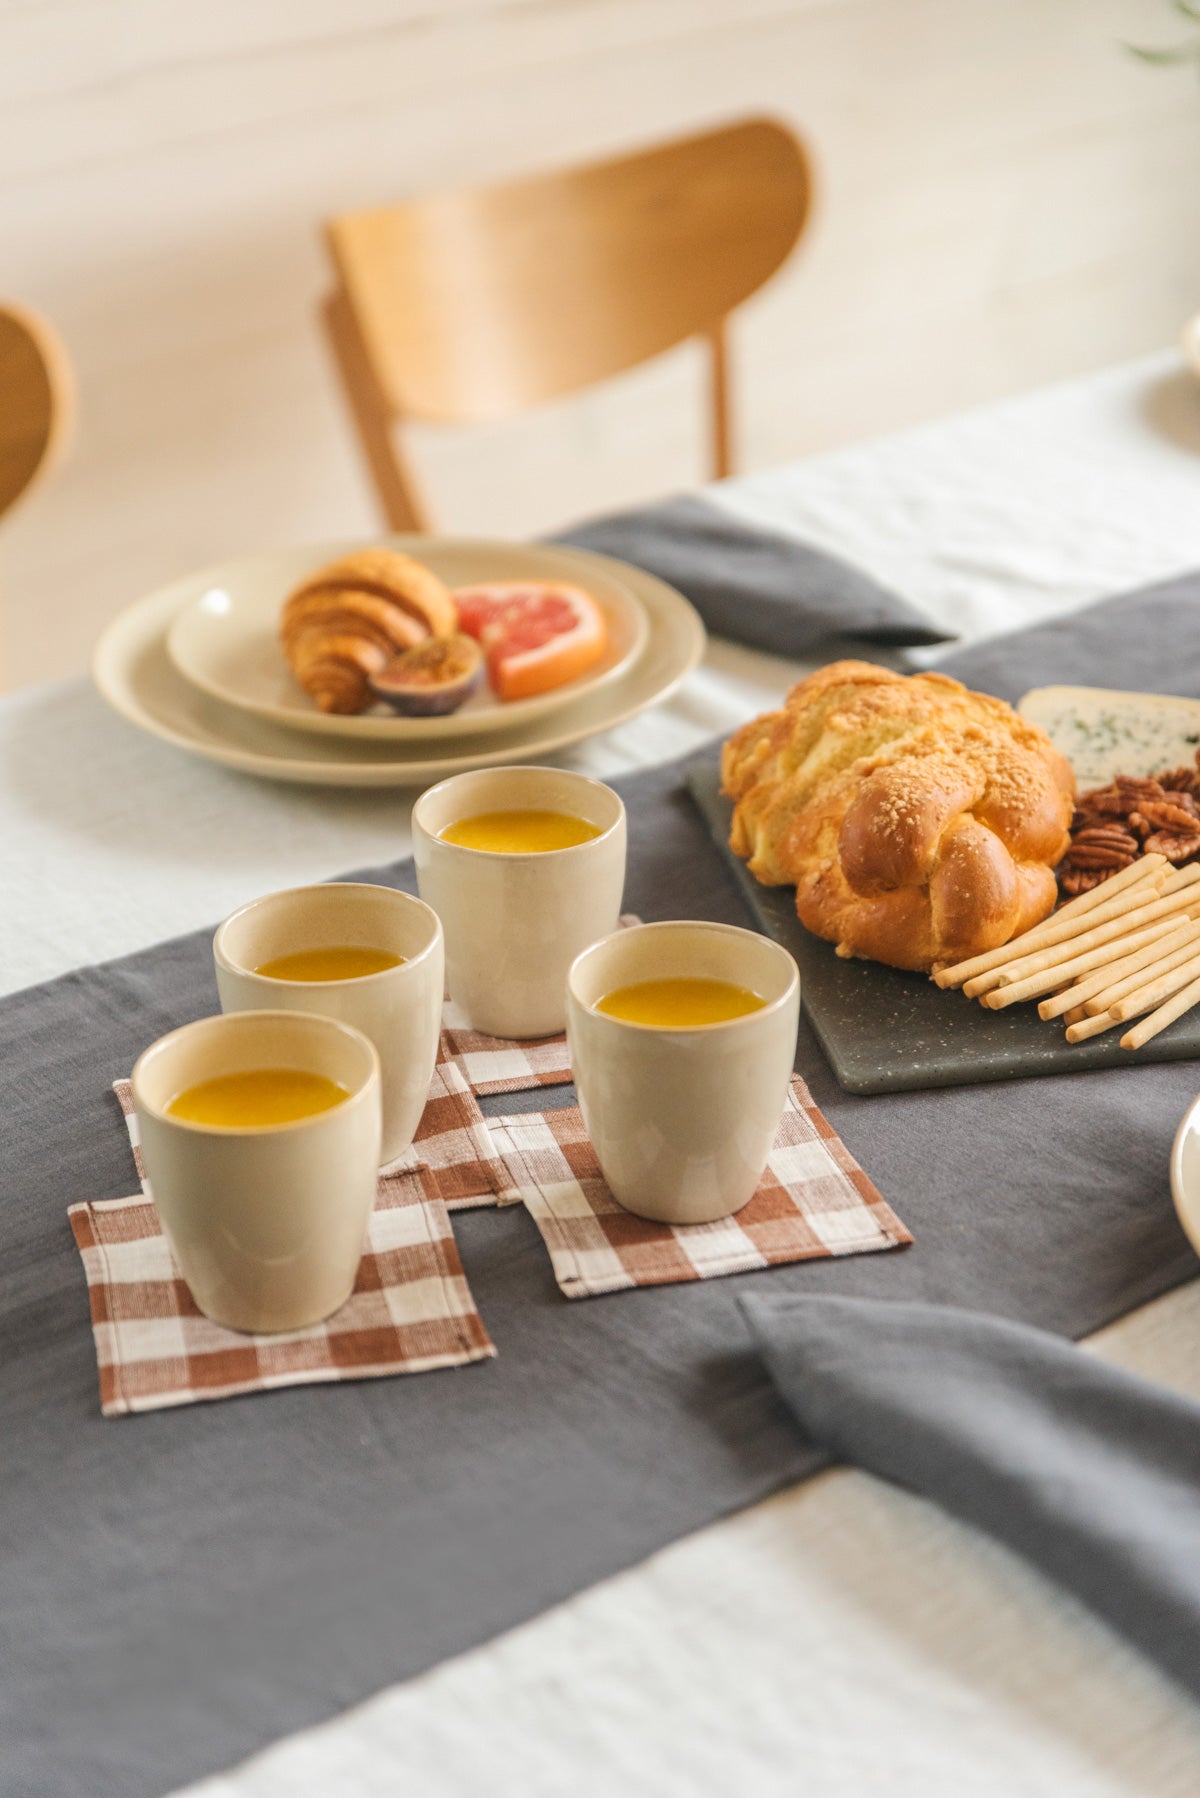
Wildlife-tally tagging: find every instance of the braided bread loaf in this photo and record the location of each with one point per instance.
(919, 822)
(346, 621)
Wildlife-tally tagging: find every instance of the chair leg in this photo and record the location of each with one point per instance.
(394, 482)
(722, 455)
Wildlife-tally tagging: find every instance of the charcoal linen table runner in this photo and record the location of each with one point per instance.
(181, 1588)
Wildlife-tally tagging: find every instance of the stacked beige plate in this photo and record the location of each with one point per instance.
(199, 664)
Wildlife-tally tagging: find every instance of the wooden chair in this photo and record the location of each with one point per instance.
(474, 305)
(36, 403)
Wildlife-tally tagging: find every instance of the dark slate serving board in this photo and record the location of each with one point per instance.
(885, 1031)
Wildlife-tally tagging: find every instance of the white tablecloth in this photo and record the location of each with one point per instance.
(844, 1638)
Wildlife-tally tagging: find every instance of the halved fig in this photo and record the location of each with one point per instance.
(432, 678)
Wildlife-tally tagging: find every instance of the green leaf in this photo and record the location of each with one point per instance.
(1180, 53)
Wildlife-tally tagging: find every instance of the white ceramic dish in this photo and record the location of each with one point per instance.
(1103, 731)
(224, 638)
(1185, 1173)
(1190, 341)
(135, 675)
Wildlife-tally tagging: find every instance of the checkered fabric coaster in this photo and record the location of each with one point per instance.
(814, 1200)
(494, 1064)
(411, 1309)
(453, 1152)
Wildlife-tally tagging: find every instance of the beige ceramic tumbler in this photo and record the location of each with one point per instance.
(515, 923)
(682, 1120)
(399, 1008)
(267, 1223)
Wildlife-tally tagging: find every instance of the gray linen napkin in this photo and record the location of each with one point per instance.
(757, 587)
(1091, 1473)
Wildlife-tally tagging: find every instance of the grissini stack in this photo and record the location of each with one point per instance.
(1144, 992)
(1094, 989)
(1129, 948)
(1060, 925)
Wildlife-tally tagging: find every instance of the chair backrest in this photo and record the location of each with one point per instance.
(35, 401)
(477, 304)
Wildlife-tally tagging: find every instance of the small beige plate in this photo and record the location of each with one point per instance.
(1103, 732)
(1185, 1173)
(135, 675)
(225, 638)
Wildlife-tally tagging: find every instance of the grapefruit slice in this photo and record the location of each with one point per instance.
(535, 635)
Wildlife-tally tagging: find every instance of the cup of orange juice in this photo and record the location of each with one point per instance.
(260, 1140)
(682, 1039)
(367, 955)
(525, 867)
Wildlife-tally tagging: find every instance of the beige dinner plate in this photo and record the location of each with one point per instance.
(136, 676)
(224, 637)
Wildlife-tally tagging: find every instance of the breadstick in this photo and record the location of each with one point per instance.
(1076, 1015)
(1173, 953)
(1153, 992)
(1039, 981)
(1061, 923)
(1179, 877)
(1079, 1033)
(1166, 1014)
(1092, 985)
(1121, 929)
(1096, 1026)
(1132, 908)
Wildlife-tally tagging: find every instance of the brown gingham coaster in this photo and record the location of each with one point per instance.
(493, 1064)
(496, 1064)
(411, 1309)
(813, 1200)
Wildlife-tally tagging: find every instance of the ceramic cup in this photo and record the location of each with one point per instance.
(267, 1224)
(515, 923)
(400, 1009)
(683, 1120)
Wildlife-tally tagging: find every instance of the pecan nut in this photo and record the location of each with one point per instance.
(1140, 785)
(1082, 880)
(1112, 804)
(1112, 859)
(1170, 815)
(1110, 836)
(1176, 848)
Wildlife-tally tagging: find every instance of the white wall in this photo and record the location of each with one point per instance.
(1007, 197)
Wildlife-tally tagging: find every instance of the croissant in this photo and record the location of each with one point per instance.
(919, 822)
(346, 621)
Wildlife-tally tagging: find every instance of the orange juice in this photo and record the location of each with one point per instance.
(256, 1098)
(520, 832)
(328, 964)
(680, 1004)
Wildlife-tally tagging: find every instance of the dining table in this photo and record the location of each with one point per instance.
(843, 1636)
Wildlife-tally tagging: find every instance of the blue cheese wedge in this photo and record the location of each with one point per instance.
(1104, 732)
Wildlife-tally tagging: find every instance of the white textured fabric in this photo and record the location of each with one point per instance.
(844, 1639)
